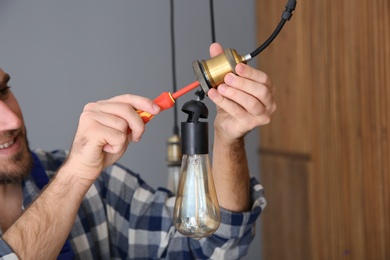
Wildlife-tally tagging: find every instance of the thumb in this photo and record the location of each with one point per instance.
(215, 49)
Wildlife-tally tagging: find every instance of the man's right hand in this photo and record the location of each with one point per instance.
(103, 134)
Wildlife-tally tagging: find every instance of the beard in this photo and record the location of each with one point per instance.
(19, 166)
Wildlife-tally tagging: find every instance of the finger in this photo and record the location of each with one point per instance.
(120, 116)
(226, 104)
(241, 115)
(215, 49)
(94, 131)
(115, 141)
(138, 102)
(108, 120)
(237, 87)
(249, 72)
(249, 102)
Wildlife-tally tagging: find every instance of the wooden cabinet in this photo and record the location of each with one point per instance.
(325, 157)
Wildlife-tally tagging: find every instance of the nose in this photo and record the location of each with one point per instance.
(10, 117)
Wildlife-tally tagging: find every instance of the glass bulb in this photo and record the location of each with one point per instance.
(173, 178)
(196, 213)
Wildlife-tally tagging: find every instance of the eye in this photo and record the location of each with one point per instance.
(4, 92)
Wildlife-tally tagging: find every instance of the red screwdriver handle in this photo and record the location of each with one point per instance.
(146, 117)
(164, 101)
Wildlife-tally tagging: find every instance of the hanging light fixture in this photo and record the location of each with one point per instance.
(196, 212)
(174, 142)
(174, 157)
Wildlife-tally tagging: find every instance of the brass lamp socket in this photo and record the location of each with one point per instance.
(210, 73)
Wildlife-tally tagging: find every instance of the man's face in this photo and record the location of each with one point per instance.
(15, 157)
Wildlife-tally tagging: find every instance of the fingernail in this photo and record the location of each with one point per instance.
(156, 108)
(221, 88)
(240, 68)
(229, 79)
(211, 93)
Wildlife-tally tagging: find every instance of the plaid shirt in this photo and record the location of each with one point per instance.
(121, 217)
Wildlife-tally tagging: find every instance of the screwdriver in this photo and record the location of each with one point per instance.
(165, 101)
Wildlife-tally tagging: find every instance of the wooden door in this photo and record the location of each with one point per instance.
(324, 158)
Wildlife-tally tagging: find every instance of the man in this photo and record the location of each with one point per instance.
(94, 209)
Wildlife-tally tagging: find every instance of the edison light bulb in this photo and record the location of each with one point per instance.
(196, 210)
(196, 213)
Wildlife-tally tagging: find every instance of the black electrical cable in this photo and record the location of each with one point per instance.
(286, 16)
(200, 93)
(174, 83)
(269, 40)
(212, 21)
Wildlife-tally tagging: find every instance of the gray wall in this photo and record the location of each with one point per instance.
(63, 54)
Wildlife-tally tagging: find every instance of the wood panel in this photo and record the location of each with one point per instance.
(287, 208)
(331, 67)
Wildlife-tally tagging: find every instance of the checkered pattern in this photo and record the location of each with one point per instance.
(121, 217)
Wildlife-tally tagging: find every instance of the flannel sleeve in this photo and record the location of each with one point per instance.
(141, 227)
(234, 235)
(6, 251)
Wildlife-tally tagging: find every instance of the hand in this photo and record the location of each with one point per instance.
(103, 133)
(243, 102)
